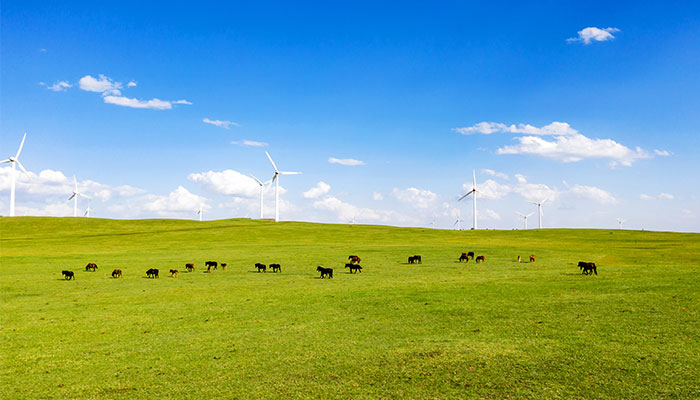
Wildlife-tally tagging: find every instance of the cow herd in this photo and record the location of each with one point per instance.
(587, 268)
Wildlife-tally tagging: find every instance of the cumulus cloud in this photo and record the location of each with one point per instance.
(576, 147)
(178, 201)
(131, 84)
(251, 143)
(377, 196)
(666, 196)
(220, 124)
(346, 211)
(494, 173)
(662, 153)
(415, 197)
(154, 104)
(59, 86)
(487, 128)
(102, 84)
(321, 188)
(520, 178)
(228, 182)
(593, 193)
(182, 102)
(346, 161)
(593, 34)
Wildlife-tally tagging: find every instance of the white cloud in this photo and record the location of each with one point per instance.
(251, 143)
(662, 153)
(321, 188)
(666, 196)
(520, 178)
(377, 196)
(59, 86)
(178, 201)
(101, 85)
(488, 214)
(131, 84)
(660, 196)
(415, 197)
(593, 193)
(487, 128)
(345, 211)
(645, 197)
(182, 102)
(494, 173)
(572, 148)
(154, 104)
(220, 124)
(345, 161)
(590, 34)
(228, 182)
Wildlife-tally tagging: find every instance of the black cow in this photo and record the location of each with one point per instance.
(275, 268)
(464, 257)
(68, 275)
(223, 266)
(325, 272)
(117, 273)
(354, 268)
(211, 264)
(418, 259)
(261, 267)
(411, 259)
(152, 273)
(470, 255)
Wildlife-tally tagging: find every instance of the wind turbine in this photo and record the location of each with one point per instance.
(539, 207)
(200, 212)
(88, 210)
(276, 179)
(458, 223)
(15, 161)
(619, 223)
(474, 192)
(75, 195)
(262, 190)
(525, 217)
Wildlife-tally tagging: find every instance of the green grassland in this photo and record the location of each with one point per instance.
(437, 330)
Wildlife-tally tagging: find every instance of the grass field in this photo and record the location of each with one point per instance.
(439, 330)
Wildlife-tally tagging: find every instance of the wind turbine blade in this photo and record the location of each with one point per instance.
(19, 164)
(73, 195)
(542, 202)
(529, 214)
(520, 214)
(474, 179)
(532, 202)
(290, 173)
(86, 196)
(257, 180)
(20, 146)
(5, 161)
(75, 183)
(271, 162)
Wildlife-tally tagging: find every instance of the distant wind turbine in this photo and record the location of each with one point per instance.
(15, 161)
(473, 192)
(619, 223)
(539, 208)
(525, 217)
(200, 212)
(276, 179)
(262, 190)
(75, 195)
(88, 210)
(458, 223)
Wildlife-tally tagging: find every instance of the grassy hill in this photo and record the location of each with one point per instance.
(440, 329)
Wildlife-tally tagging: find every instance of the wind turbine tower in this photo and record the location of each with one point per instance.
(525, 217)
(619, 223)
(276, 179)
(262, 190)
(15, 161)
(472, 192)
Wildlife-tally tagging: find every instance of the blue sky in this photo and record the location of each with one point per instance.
(593, 106)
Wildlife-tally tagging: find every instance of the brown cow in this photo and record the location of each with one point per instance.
(480, 259)
(532, 258)
(354, 259)
(91, 266)
(223, 266)
(173, 273)
(464, 257)
(189, 267)
(117, 273)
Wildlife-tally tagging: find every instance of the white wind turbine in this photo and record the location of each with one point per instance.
(88, 210)
(262, 190)
(619, 223)
(539, 208)
(75, 195)
(474, 191)
(458, 223)
(200, 212)
(525, 217)
(276, 179)
(15, 161)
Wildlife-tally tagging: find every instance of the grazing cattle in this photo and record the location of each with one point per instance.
(189, 267)
(117, 273)
(223, 266)
(588, 268)
(68, 275)
(354, 268)
(418, 259)
(480, 259)
(173, 273)
(464, 257)
(411, 260)
(152, 273)
(275, 268)
(325, 272)
(354, 259)
(211, 264)
(470, 255)
(91, 266)
(519, 258)
(261, 267)
(532, 258)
